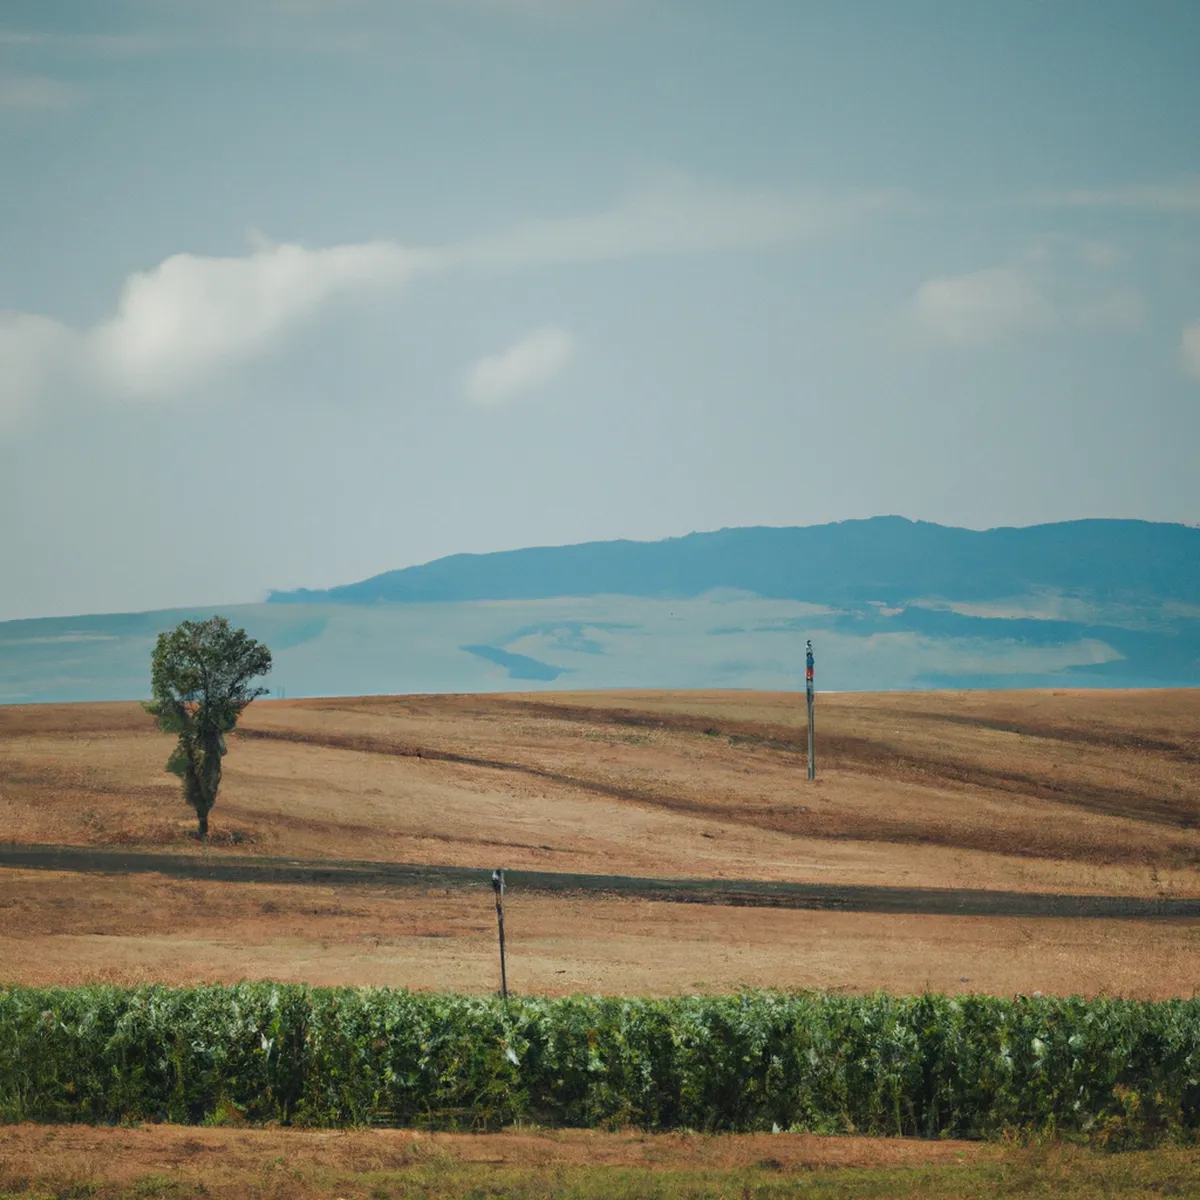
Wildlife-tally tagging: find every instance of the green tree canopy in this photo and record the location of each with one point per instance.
(201, 679)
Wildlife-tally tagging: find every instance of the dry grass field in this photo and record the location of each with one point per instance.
(170, 1162)
(165, 1161)
(1051, 792)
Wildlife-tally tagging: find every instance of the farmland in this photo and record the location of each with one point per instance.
(658, 844)
(926, 1066)
(1069, 794)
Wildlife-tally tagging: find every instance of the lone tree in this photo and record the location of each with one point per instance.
(200, 679)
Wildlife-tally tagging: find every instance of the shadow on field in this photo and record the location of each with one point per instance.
(745, 893)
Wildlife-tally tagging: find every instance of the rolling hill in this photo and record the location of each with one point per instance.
(887, 559)
(889, 603)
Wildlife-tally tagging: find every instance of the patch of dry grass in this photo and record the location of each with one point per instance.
(166, 1161)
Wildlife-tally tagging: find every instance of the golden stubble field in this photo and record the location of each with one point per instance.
(1076, 792)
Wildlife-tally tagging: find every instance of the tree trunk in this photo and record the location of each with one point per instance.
(208, 779)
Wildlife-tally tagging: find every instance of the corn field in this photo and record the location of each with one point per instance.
(932, 1066)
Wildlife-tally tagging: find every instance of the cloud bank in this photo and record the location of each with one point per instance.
(1042, 291)
(977, 308)
(675, 214)
(528, 364)
(185, 320)
(192, 316)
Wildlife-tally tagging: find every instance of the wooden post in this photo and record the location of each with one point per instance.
(498, 885)
(808, 688)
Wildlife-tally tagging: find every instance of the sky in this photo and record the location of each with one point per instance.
(293, 292)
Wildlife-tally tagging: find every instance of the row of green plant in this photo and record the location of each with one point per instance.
(931, 1065)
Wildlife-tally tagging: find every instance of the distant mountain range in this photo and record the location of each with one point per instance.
(889, 603)
(888, 559)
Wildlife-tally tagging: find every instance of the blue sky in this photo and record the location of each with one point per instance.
(296, 291)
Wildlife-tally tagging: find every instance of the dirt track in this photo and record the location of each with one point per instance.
(745, 893)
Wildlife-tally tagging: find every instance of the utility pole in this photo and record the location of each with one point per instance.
(498, 885)
(808, 690)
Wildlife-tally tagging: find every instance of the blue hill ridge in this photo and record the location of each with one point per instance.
(886, 559)
(888, 602)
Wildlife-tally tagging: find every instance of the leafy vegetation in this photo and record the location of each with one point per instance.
(200, 677)
(1124, 1072)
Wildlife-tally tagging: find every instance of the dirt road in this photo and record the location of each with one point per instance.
(747, 893)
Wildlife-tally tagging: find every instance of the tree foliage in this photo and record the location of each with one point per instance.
(201, 680)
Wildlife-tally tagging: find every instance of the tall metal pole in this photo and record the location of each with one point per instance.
(498, 884)
(808, 690)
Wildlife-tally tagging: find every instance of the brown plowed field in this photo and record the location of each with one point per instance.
(1069, 793)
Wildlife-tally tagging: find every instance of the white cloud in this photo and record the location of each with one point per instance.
(1178, 196)
(191, 315)
(32, 349)
(1057, 282)
(1189, 349)
(36, 93)
(977, 308)
(675, 214)
(529, 363)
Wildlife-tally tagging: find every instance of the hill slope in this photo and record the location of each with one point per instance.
(887, 559)
(859, 879)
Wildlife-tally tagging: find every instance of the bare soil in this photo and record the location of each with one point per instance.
(1071, 794)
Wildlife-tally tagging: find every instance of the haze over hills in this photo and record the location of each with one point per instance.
(890, 603)
(887, 559)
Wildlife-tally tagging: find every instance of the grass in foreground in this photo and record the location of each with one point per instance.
(1051, 1171)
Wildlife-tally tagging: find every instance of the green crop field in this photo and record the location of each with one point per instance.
(1122, 1072)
